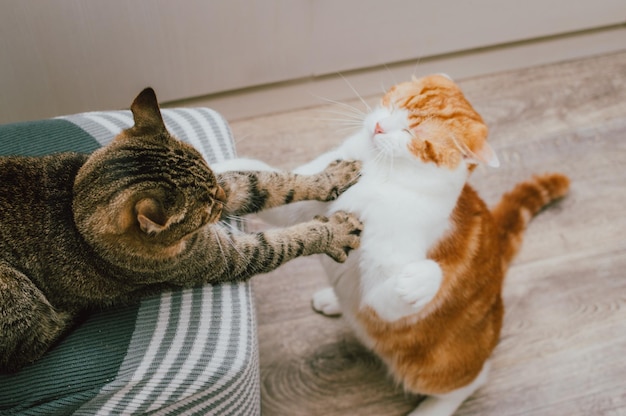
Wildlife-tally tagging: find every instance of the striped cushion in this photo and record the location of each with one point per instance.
(192, 351)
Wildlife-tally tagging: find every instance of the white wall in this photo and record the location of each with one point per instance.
(64, 56)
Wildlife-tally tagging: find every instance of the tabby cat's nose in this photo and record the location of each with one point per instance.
(378, 129)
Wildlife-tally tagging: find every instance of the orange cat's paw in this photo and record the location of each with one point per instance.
(419, 282)
(325, 302)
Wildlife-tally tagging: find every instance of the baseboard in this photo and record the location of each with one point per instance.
(303, 93)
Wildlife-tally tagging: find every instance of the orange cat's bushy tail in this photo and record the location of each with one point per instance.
(517, 207)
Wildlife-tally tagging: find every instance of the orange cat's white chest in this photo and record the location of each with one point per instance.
(403, 214)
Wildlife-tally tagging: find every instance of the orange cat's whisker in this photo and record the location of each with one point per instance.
(356, 93)
(345, 106)
(346, 114)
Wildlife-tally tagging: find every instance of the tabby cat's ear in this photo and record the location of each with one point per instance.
(151, 216)
(146, 113)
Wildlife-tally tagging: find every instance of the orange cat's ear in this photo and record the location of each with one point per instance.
(485, 155)
(146, 113)
(151, 216)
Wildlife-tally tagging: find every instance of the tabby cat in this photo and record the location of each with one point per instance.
(424, 290)
(136, 217)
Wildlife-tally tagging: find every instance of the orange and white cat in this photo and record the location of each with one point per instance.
(424, 289)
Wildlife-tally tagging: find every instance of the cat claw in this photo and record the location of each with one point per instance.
(346, 233)
(419, 282)
(325, 302)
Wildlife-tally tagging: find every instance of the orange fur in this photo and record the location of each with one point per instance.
(444, 346)
(440, 118)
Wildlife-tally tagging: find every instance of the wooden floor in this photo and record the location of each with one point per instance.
(563, 346)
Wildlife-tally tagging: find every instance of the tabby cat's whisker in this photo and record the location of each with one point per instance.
(233, 228)
(219, 244)
(240, 139)
(235, 218)
(232, 244)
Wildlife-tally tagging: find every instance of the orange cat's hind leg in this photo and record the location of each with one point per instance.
(447, 404)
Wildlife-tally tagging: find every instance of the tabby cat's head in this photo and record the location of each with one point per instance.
(145, 194)
(429, 119)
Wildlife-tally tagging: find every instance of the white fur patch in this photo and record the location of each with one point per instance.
(325, 302)
(418, 283)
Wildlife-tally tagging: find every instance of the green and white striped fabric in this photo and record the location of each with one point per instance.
(190, 352)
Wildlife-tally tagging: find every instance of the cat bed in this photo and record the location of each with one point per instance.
(192, 351)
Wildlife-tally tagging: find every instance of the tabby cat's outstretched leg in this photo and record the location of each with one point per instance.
(250, 191)
(241, 256)
(28, 323)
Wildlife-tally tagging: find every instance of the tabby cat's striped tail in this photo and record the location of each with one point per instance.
(517, 207)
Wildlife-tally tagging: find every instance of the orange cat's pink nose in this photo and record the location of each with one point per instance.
(378, 129)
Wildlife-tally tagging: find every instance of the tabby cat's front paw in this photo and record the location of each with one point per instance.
(345, 230)
(340, 175)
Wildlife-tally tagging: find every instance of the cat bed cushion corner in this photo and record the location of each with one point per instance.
(192, 351)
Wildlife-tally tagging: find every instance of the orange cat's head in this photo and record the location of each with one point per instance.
(430, 119)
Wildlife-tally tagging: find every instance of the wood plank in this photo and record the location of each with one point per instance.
(562, 346)
(564, 338)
